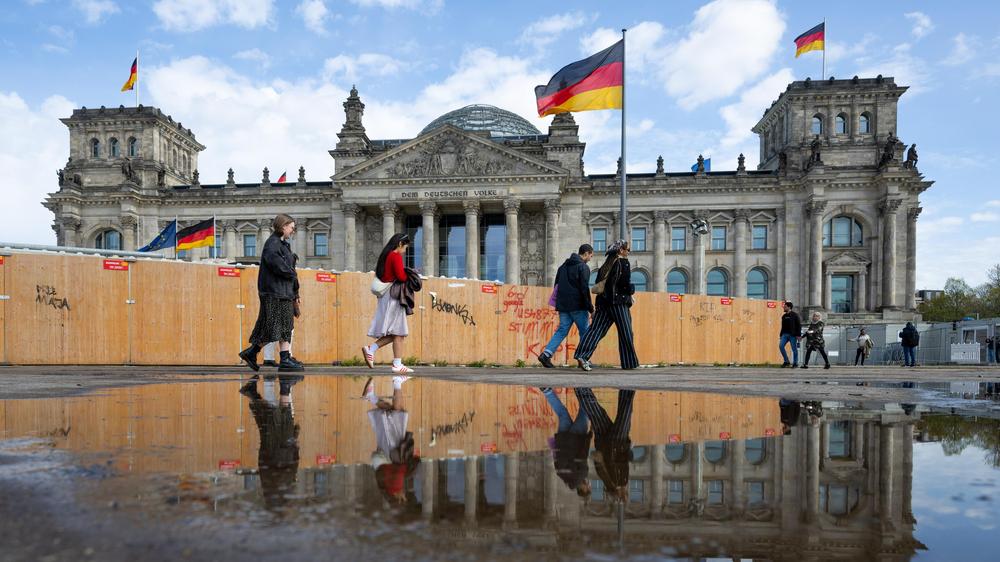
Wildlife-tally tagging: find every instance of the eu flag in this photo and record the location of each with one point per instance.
(165, 239)
(708, 165)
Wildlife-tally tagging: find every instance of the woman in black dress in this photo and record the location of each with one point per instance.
(612, 305)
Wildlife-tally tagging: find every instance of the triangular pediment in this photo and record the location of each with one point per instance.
(847, 259)
(450, 152)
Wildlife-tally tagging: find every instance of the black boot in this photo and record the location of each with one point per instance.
(250, 356)
(545, 360)
(287, 364)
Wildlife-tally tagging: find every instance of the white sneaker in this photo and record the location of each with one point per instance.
(369, 356)
(401, 370)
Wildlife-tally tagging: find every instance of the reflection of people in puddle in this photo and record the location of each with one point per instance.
(570, 445)
(278, 456)
(393, 459)
(791, 413)
(611, 439)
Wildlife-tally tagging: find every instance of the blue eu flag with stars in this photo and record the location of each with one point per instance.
(165, 239)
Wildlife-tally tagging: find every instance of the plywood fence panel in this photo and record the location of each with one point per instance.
(526, 322)
(459, 321)
(526, 421)
(250, 300)
(458, 421)
(355, 310)
(707, 330)
(67, 309)
(4, 260)
(317, 329)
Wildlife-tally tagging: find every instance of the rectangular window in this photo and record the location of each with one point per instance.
(678, 238)
(638, 239)
(216, 250)
(415, 251)
(675, 492)
(320, 244)
(492, 244)
(759, 241)
(755, 493)
(600, 241)
(839, 440)
(249, 245)
(451, 246)
(636, 491)
(718, 238)
(716, 490)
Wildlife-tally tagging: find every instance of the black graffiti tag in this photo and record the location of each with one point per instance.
(48, 295)
(460, 310)
(460, 426)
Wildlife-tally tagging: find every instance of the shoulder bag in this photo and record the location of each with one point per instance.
(379, 287)
(598, 287)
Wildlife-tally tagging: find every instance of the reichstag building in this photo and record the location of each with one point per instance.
(828, 218)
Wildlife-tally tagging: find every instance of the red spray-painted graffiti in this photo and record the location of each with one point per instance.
(536, 325)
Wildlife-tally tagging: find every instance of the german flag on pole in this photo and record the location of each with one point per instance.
(133, 76)
(592, 83)
(811, 40)
(197, 235)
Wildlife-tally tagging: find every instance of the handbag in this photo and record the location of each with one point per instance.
(598, 287)
(552, 297)
(379, 287)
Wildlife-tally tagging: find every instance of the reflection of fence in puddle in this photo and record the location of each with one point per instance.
(202, 427)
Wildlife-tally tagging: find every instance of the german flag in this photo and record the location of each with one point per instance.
(197, 235)
(811, 40)
(592, 83)
(133, 76)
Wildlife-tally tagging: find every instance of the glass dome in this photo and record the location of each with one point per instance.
(479, 117)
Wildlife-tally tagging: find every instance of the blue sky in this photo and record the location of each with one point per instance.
(261, 84)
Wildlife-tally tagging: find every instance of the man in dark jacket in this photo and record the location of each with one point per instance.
(572, 290)
(791, 328)
(570, 445)
(910, 339)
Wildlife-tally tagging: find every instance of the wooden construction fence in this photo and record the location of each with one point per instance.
(59, 309)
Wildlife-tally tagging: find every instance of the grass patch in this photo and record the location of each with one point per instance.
(661, 364)
(440, 363)
(478, 364)
(605, 366)
(411, 360)
(352, 362)
(520, 364)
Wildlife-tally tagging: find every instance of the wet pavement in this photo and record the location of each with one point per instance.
(303, 468)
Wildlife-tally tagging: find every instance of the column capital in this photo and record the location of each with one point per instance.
(913, 212)
(388, 207)
(889, 206)
(228, 225)
(472, 207)
(741, 215)
(815, 207)
(661, 216)
(128, 221)
(71, 222)
(552, 206)
(511, 206)
(351, 209)
(779, 213)
(428, 208)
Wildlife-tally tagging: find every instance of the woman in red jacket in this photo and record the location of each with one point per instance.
(389, 324)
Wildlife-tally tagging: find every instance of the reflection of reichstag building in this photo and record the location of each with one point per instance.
(827, 219)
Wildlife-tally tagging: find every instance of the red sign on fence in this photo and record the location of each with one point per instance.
(1, 260)
(675, 298)
(726, 301)
(229, 464)
(772, 304)
(490, 289)
(325, 277)
(725, 435)
(116, 265)
(228, 272)
(674, 438)
(322, 460)
(488, 447)
(769, 432)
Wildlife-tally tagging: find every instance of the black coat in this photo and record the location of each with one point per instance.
(277, 276)
(571, 450)
(791, 324)
(909, 337)
(618, 289)
(573, 280)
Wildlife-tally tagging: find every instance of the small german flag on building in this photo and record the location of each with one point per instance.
(132, 76)
(812, 40)
(586, 85)
(197, 235)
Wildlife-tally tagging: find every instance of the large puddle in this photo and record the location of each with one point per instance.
(296, 467)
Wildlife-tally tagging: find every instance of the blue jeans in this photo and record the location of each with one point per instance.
(566, 321)
(909, 356)
(566, 423)
(789, 339)
(989, 355)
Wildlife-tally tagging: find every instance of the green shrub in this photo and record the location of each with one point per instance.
(352, 362)
(411, 360)
(477, 364)
(440, 363)
(520, 364)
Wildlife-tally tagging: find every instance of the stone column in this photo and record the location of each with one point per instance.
(351, 212)
(911, 257)
(862, 302)
(264, 232)
(828, 290)
(71, 232)
(885, 474)
(472, 214)
(698, 472)
(428, 487)
(300, 244)
(511, 463)
(660, 251)
(550, 497)
(389, 210)
(740, 253)
(812, 470)
(128, 224)
(512, 266)
(657, 488)
(471, 488)
(552, 254)
(698, 273)
(428, 211)
(229, 247)
(889, 208)
(739, 454)
(815, 211)
(779, 230)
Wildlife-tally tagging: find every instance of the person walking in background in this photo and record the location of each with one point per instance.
(791, 328)
(996, 347)
(614, 291)
(990, 350)
(394, 460)
(570, 445)
(276, 288)
(389, 324)
(864, 347)
(815, 341)
(612, 444)
(572, 300)
(910, 339)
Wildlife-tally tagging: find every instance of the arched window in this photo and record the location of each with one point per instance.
(675, 452)
(640, 280)
(173, 160)
(185, 159)
(639, 453)
(113, 148)
(757, 284)
(133, 147)
(677, 281)
(841, 124)
(755, 450)
(715, 451)
(843, 232)
(108, 240)
(718, 283)
(95, 148)
(865, 124)
(817, 124)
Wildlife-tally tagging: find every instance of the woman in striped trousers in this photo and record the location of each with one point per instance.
(614, 280)
(611, 440)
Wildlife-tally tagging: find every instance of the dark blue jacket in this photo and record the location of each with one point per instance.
(573, 279)
(277, 277)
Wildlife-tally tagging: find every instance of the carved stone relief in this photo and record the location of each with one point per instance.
(531, 229)
(373, 241)
(449, 155)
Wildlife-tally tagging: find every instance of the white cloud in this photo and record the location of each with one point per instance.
(836, 51)
(22, 126)
(993, 203)
(314, 14)
(642, 47)
(255, 55)
(922, 24)
(194, 15)
(962, 51)
(543, 32)
(985, 217)
(95, 10)
(906, 68)
(432, 5)
(366, 64)
(740, 117)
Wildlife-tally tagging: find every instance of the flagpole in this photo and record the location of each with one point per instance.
(623, 228)
(825, 35)
(137, 77)
(177, 228)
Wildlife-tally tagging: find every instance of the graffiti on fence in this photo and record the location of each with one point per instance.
(535, 324)
(460, 426)
(460, 310)
(529, 415)
(49, 296)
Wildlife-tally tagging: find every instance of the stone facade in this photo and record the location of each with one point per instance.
(827, 220)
